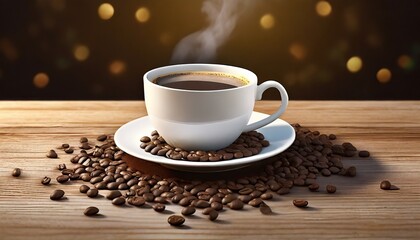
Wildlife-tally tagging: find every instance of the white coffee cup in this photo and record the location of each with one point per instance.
(205, 119)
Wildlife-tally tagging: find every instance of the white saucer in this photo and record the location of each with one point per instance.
(279, 133)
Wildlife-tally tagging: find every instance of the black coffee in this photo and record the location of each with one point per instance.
(200, 81)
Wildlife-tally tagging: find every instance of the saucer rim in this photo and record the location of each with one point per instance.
(234, 163)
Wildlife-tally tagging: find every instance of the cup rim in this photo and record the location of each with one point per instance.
(161, 71)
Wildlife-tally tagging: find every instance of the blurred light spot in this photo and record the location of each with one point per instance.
(166, 38)
(41, 80)
(106, 11)
(142, 14)
(8, 49)
(383, 75)
(405, 62)
(354, 64)
(323, 8)
(81, 52)
(267, 21)
(298, 51)
(117, 67)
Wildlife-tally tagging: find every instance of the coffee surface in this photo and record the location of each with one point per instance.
(200, 81)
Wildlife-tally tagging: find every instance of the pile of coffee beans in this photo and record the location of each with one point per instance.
(247, 144)
(101, 166)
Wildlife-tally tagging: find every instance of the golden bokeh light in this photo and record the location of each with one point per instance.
(298, 51)
(354, 64)
(81, 52)
(405, 62)
(105, 11)
(383, 75)
(41, 80)
(323, 8)
(142, 14)
(117, 67)
(267, 21)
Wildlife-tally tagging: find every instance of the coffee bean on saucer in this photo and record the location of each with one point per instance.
(52, 154)
(176, 220)
(16, 172)
(91, 211)
(57, 194)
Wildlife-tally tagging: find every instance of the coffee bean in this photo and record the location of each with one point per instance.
(213, 215)
(160, 200)
(331, 188)
(113, 194)
(332, 137)
(145, 139)
(265, 209)
(300, 203)
(91, 211)
(102, 138)
(136, 201)
(202, 204)
(228, 198)
(16, 172)
(236, 204)
(69, 150)
(256, 202)
(245, 198)
(176, 220)
(266, 196)
(207, 211)
(65, 145)
(92, 192)
(385, 185)
(83, 140)
(85, 146)
(283, 191)
(313, 187)
(112, 185)
(52, 154)
(364, 154)
(46, 180)
(351, 171)
(62, 178)
(216, 206)
(61, 166)
(118, 201)
(57, 194)
(84, 188)
(158, 207)
(188, 210)
(149, 197)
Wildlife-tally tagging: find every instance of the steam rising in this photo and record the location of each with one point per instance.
(202, 46)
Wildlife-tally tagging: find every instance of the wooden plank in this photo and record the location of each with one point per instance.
(390, 130)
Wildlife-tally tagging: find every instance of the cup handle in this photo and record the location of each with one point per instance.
(284, 102)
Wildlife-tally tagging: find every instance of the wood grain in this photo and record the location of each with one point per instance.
(390, 130)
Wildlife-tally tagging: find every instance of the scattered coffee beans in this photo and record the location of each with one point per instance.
(300, 203)
(312, 154)
(176, 220)
(385, 185)
(57, 194)
(91, 211)
(16, 172)
(248, 144)
(46, 180)
(52, 154)
(331, 188)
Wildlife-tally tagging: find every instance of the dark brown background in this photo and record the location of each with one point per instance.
(41, 37)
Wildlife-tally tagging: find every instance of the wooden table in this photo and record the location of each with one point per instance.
(359, 209)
